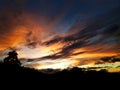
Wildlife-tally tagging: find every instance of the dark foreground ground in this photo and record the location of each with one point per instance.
(74, 78)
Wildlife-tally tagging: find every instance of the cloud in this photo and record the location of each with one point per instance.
(10, 18)
(54, 40)
(99, 36)
(61, 30)
(111, 59)
(19, 27)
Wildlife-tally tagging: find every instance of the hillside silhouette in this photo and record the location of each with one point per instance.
(13, 72)
(16, 72)
(75, 78)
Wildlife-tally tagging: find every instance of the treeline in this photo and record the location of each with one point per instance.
(16, 72)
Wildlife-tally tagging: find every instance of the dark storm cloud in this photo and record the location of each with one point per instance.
(111, 59)
(78, 53)
(59, 55)
(55, 39)
(32, 44)
(103, 31)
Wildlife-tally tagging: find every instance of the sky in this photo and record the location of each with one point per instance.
(61, 34)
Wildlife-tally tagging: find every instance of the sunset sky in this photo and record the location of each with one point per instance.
(59, 34)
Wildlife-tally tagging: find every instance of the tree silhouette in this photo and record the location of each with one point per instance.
(12, 58)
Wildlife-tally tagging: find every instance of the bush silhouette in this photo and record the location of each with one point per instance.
(12, 58)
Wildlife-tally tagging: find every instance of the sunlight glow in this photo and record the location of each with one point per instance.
(56, 64)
